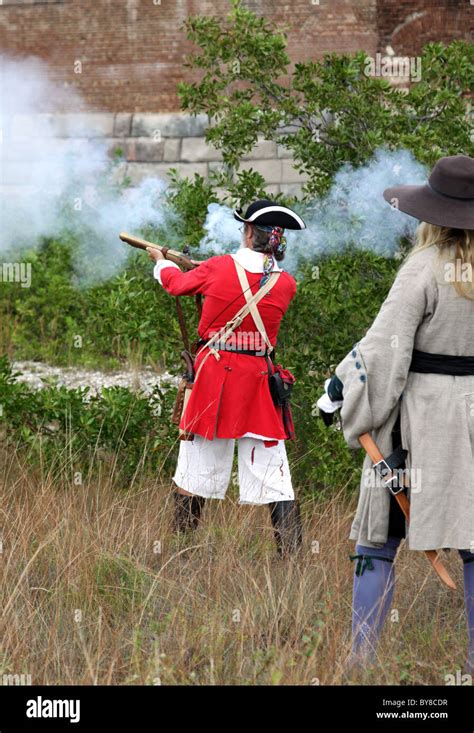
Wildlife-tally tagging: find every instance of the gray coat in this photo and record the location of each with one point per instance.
(422, 311)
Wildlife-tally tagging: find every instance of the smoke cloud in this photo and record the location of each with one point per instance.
(55, 181)
(352, 214)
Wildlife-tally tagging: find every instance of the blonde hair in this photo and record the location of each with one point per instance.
(450, 242)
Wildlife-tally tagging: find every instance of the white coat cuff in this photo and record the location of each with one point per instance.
(160, 265)
(326, 405)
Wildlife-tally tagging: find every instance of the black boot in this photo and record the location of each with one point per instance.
(286, 521)
(187, 511)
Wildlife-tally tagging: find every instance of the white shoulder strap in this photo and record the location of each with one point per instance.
(244, 283)
(223, 334)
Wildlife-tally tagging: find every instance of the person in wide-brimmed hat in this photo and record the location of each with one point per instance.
(446, 200)
(410, 382)
(238, 392)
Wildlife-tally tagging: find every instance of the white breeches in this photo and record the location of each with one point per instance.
(204, 468)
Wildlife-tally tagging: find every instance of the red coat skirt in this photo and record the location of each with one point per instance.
(231, 396)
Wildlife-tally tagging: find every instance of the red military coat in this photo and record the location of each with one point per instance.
(231, 397)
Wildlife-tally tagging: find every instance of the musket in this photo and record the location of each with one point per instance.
(169, 254)
(186, 263)
(179, 259)
(388, 476)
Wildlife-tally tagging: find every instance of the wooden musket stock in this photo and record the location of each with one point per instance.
(169, 254)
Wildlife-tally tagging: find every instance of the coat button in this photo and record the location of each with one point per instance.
(354, 354)
(363, 378)
(358, 365)
(229, 369)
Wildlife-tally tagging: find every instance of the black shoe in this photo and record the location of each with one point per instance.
(286, 521)
(187, 512)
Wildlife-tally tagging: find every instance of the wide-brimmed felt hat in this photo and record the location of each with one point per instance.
(270, 214)
(447, 199)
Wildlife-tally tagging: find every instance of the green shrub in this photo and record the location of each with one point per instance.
(70, 432)
(128, 316)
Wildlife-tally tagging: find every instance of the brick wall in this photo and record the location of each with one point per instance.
(131, 51)
(407, 25)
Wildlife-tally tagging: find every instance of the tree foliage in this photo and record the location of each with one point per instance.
(328, 111)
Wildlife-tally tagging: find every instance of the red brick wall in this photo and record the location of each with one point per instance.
(131, 51)
(407, 25)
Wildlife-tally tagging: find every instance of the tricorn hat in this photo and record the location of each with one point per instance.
(270, 214)
(447, 200)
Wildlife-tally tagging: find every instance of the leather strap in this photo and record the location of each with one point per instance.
(372, 450)
(223, 334)
(198, 299)
(397, 458)
(245, 285)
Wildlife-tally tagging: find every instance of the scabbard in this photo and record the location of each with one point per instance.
(373, 451)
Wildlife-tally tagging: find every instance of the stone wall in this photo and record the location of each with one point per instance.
(148, 144)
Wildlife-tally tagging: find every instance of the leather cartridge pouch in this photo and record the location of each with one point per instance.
(281, 386)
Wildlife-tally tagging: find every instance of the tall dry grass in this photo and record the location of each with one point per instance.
(95, 588)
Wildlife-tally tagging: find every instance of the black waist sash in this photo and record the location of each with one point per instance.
(456, 366)
(246, 352)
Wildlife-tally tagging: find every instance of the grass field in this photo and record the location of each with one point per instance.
(96, 589)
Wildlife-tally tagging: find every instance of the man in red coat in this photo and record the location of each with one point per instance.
(231, 397)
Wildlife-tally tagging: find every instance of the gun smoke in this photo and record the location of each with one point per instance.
(352, 214)
(57, 181)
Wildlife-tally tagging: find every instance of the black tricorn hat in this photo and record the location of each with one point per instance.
(270, 214)
(447, 200)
